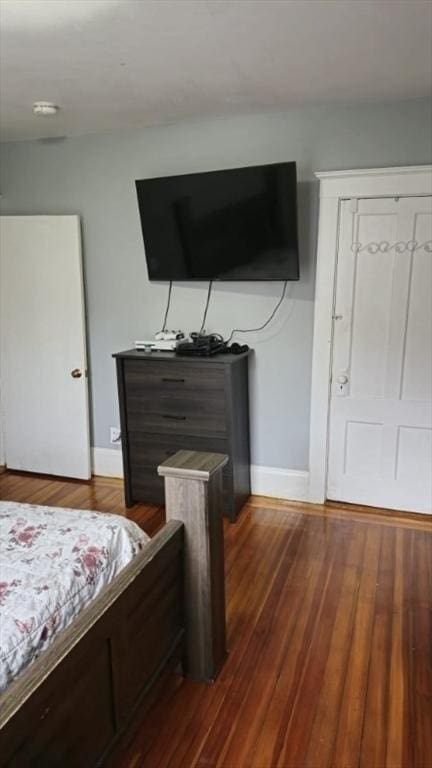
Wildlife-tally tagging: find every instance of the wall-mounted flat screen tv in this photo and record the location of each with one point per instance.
(236, 224)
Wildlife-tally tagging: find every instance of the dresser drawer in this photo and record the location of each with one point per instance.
(148, 487)
(147, 451)
(192, 380)
(175, 399)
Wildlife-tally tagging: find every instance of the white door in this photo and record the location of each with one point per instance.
(380, 444)
(42, 346)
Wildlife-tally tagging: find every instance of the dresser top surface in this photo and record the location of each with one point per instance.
(223, 358)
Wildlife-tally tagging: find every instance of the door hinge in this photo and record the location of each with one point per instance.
(353, 205)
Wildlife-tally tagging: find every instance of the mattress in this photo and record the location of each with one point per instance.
(53, 562)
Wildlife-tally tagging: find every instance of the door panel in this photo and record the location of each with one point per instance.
(371, 308)
(417, 360)
(380, 447)
(42, 340)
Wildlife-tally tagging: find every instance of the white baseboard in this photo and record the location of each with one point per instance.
(107, 462)
(289, 484)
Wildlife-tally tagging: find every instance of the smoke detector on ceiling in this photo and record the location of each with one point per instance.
(45, 108)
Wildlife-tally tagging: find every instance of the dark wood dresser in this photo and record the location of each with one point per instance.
(169, 403)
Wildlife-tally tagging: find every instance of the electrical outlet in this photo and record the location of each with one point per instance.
(115, 435)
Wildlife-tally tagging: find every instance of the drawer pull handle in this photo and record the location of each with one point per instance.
(176, 418)
(175, 381)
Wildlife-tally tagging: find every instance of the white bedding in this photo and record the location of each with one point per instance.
(53, 562)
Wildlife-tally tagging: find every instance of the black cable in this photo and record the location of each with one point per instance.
(167, 308)
(206, 306)
(261, 327)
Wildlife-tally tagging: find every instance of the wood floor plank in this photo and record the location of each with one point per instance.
(244, 685)
(351, 713)
(240, 746)
(421, 648)
(375, 723)
(271, 744)
(325, 725)
(329, 614)
(398, 670)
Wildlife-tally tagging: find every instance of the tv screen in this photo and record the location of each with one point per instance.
(237, 224)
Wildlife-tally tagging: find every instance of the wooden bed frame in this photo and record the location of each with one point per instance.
(79, 701)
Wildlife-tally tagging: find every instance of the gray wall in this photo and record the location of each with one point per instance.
(94, 175)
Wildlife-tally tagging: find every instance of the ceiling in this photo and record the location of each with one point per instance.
(118, 64)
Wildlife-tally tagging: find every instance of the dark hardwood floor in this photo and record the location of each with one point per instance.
(330, 636)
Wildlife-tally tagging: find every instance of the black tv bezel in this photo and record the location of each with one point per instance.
(224, 279)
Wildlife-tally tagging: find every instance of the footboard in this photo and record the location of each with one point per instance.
(71, 705)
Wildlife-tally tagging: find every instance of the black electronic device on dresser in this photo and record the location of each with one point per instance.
(169, 403)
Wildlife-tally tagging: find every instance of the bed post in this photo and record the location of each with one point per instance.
(193, 495)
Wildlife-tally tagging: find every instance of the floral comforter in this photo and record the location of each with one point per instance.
(52, 563)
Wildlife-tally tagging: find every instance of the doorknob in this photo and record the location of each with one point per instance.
(342, 379)
(76, 373)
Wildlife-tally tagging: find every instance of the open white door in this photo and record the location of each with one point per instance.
(380, 445)
(42, 346)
